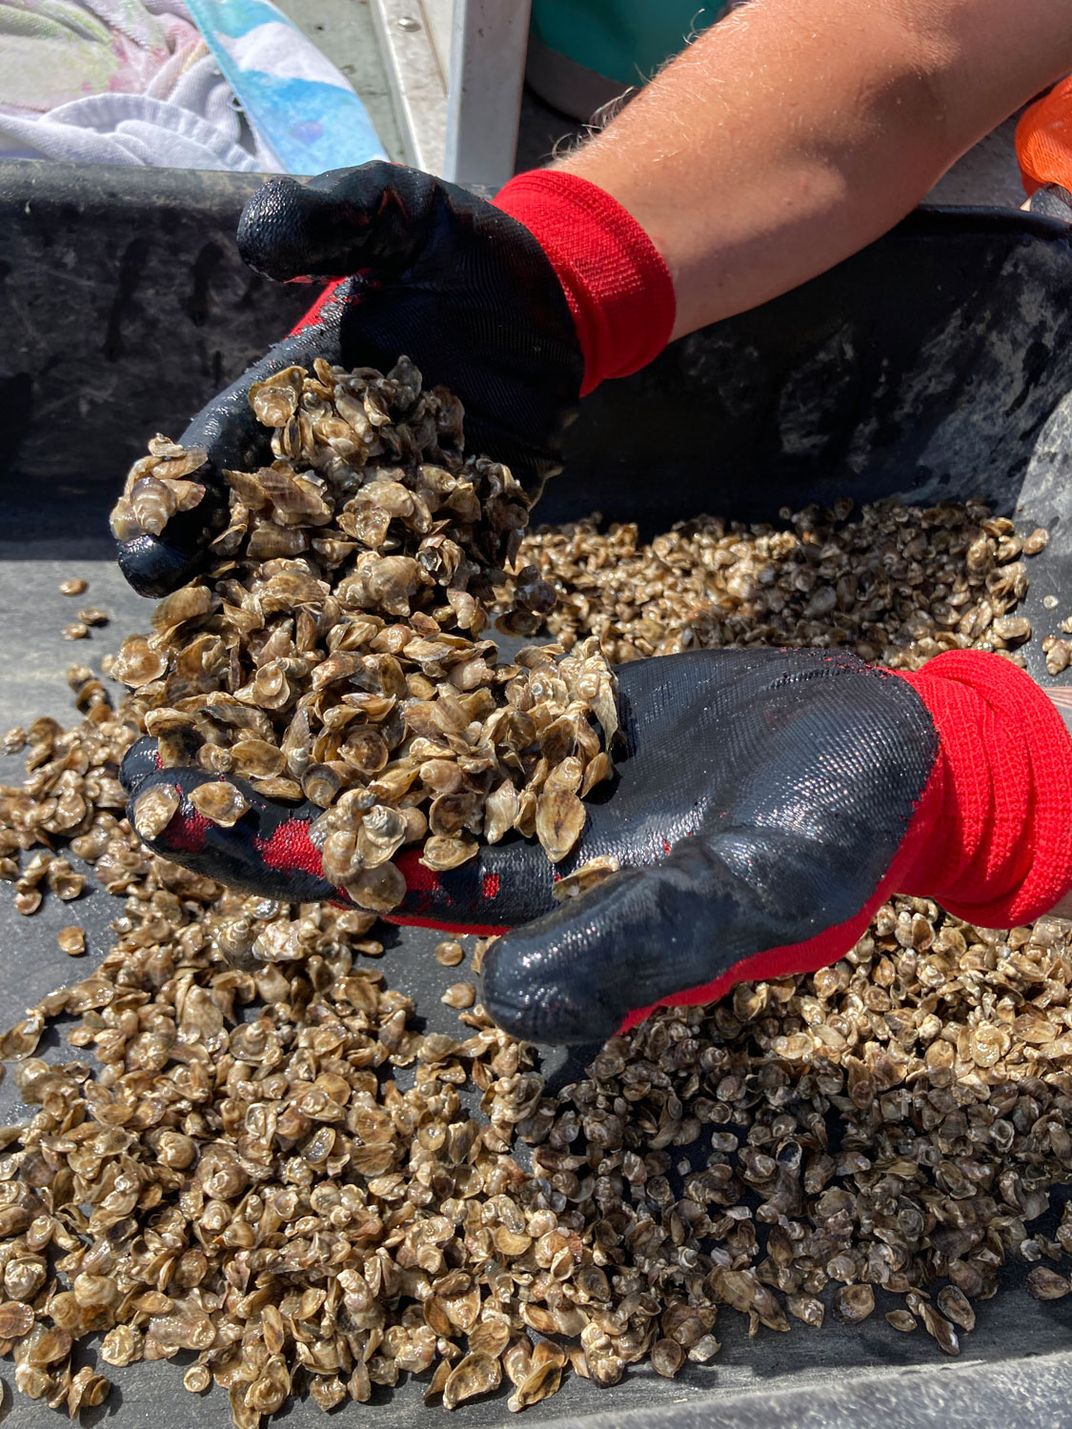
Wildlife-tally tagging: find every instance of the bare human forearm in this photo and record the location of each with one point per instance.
(792, 134)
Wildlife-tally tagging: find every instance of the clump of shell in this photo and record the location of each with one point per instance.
(334, 650)
(158, 487)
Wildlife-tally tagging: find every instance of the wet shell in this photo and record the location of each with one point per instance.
(153, 503)
(285, 790)
(582, 879)
(560, 819)
(540, 1384)
(173, 462)
(902, 1320)
(267, 541)
(154, 809)
(339, 856)
(16, 1320)
(853, 1303)
(451, 814)
(490, 1337)
(295, 500)
(220, 802)
(187, 603)
(954, 1304)
(379, 889)
(257, 757)
(1045, 1284)
(940, 1330)
(122, 521)
(442, 853)
(45, 1346)
(196, 1379)
(268, 1393)
(121, 1346)
(667, 1357)
(807, 1309)
(475, 1374)
(381, 834)
(137, 663)
(275, 399)
(86, 1390)
(72, 941)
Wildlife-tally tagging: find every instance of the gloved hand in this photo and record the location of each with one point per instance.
(766, 803)
(518, 307)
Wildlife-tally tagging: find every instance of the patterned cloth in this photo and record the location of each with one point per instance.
(208, 84)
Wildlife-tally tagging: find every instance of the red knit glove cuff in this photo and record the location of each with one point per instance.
(992, 836)
(618, 288)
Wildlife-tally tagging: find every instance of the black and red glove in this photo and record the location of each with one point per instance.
(518, 307)
(765, 804)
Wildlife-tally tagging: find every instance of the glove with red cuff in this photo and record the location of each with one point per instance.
(766, 802)
(518, 307)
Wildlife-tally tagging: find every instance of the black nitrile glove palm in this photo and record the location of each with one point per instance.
(427, 271)
(761, 810)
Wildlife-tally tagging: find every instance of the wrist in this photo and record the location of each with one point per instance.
(992, 835)
(618, 287)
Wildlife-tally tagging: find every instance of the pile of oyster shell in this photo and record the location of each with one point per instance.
(334, 648)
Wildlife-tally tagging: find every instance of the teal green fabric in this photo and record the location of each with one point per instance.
(623, 40)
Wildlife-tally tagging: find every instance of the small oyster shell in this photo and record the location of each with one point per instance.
(220, 802)
(154, 808)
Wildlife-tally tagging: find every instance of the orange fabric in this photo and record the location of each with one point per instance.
(1044, 140)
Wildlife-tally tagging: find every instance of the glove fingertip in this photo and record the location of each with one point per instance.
(536, 1008)
(564, 979)
(264, 850)
(157, 565)
(153, 567)
(284, 227)
(641, 936)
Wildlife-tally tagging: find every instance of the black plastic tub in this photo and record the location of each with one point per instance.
(936, 363)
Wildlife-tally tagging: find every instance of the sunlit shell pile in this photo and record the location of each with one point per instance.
(894, 584)
(334, 649)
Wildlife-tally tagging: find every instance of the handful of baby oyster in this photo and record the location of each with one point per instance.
(334, 649)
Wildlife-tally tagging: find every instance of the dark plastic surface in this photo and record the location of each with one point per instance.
(936, 363)
(123, 302)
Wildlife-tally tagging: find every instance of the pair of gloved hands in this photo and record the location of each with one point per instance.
(766, 801)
